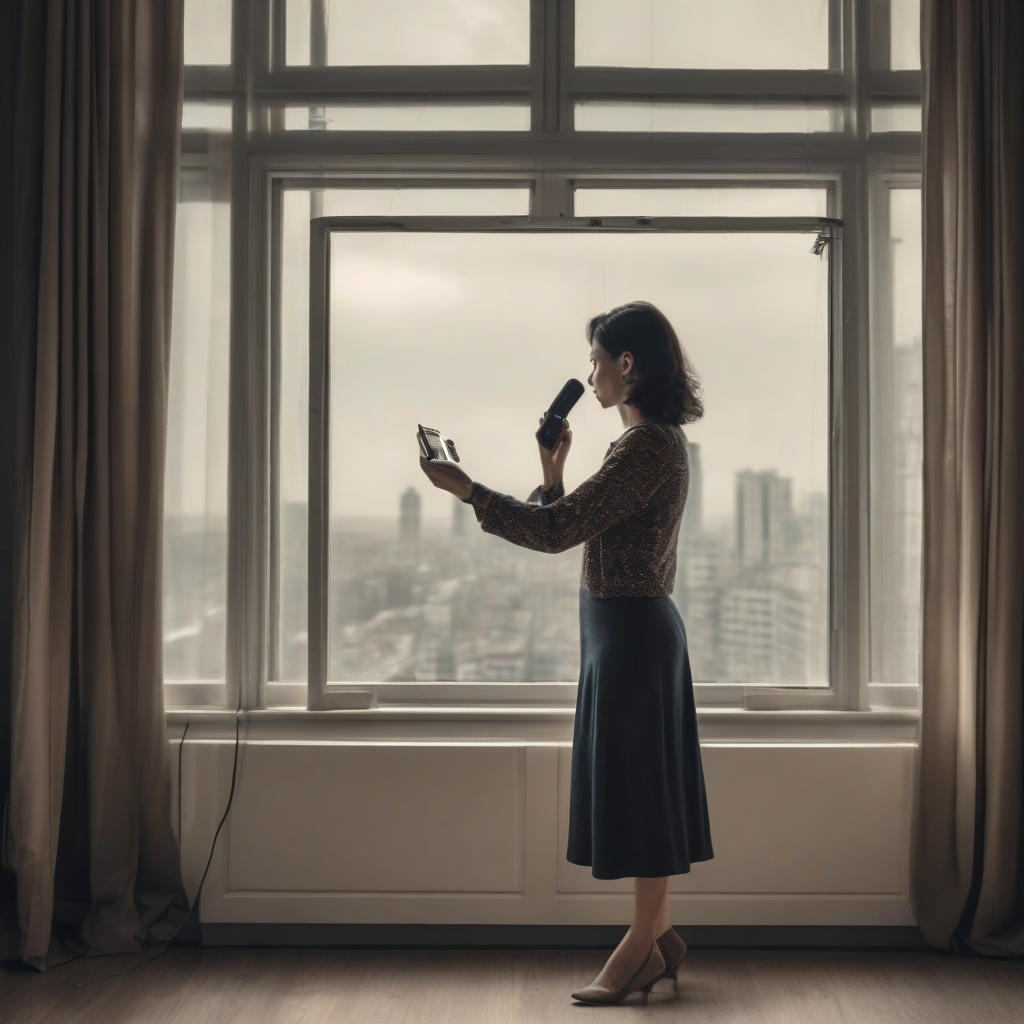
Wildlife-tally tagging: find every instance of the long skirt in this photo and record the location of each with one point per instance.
(637, 804)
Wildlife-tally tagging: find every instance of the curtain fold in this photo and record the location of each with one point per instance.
(96, 136)
(968, 857)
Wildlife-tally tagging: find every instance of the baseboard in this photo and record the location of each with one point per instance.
(581, 936)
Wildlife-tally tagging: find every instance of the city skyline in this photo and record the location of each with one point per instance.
(415, 600)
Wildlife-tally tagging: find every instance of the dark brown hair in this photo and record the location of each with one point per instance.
(665, 385)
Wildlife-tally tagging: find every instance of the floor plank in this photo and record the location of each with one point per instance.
(191, 985)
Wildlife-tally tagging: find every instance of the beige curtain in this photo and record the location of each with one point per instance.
(96, 134)
(968, 864)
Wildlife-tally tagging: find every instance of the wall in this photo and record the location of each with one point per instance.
(408, 818)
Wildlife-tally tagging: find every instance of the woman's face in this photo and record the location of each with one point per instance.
(606, 375)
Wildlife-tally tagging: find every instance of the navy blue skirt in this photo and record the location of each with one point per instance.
(637, 805)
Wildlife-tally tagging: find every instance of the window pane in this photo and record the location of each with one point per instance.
(905, 38)
(667, 116)
(429, 202)
(426, 31)
(896, 117)
(410, 117)
(701, 202)
(896, 460)
(195, 497)
(206, 115)
(297, 31)
(702, 33)
(207, 31)
(289, 647)
(473, 334)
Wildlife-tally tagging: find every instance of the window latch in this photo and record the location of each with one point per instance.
(820, 244)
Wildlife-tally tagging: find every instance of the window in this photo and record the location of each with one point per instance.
(485, 175)
(896, 444)
(207, 32)
(410, 32)
(457, 324)
(196, 478)
(703, 33)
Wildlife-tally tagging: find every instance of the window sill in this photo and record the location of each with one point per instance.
(504, 722)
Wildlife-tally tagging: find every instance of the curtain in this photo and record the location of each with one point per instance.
(968, 858)
(96, 129)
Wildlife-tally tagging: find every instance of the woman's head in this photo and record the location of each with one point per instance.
(638, 360)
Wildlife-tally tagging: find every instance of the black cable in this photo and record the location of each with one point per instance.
(181, 757)
(209, 860)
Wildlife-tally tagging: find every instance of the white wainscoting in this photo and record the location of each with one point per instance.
(337, 824)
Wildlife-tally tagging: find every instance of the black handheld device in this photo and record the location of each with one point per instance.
(551, 429)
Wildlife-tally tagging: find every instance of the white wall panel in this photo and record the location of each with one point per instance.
(787, 819)
(407, 832)
(378, 818)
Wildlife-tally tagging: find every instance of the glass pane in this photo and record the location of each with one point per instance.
(289, 649)
(288, 661)
(196, 490)
(473, 334)
(702, 33)
(428, 32)
(207, 31)
(701, 202)
(896, 460)
(410, 117)
(205, 115)
(297, 31)
(436, 202)
(667, 116)
(905, 34)
(896, 117)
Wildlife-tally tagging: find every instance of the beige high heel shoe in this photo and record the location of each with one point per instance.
(650, 971)
(673, 949)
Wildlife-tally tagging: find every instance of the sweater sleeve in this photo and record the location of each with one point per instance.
(629, 475)
(538, 496)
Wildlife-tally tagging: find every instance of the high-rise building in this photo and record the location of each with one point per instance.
(409, 518)
(764, 634)
(692, 524)
(764, 517)
(460, 517)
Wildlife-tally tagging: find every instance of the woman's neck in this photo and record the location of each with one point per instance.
(631, 415)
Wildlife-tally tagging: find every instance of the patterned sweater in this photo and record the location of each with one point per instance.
(626, 515)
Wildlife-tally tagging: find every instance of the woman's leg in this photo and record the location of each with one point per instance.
(650, 907)
(663, 922)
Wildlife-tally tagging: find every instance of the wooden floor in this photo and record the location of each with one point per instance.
(490, 986)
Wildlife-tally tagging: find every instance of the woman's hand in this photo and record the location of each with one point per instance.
(553, 461)
(448, 477)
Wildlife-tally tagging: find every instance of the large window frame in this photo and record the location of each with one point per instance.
(321, 694)
(552, 159)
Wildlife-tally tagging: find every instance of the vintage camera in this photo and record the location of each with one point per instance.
(435, 446)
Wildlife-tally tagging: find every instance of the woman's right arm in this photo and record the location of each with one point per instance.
(627, 477)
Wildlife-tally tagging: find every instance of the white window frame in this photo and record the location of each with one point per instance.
(552, 159)
(321, 693)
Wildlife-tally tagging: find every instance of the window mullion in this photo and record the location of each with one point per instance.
(318, 33)
(247, 550)
(319, 463)
(566, 62)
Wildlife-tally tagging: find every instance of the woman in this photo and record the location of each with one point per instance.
(637, 800)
